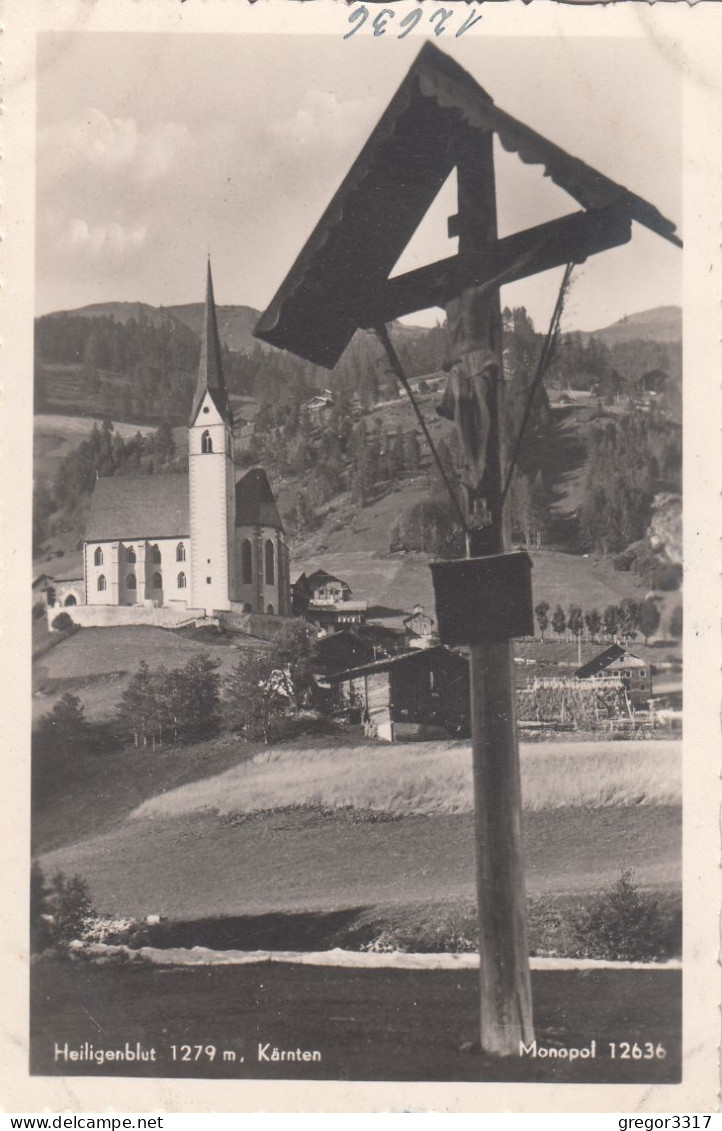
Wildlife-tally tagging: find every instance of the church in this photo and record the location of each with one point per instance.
(196, 544)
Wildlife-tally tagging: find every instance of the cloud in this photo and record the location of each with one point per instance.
(101, 239)
(321, 120)
(94, 140)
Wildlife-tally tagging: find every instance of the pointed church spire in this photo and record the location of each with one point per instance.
(210, 369)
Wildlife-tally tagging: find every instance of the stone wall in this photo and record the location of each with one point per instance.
(108, 616)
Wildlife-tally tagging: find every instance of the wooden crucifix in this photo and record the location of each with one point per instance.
(438, 120)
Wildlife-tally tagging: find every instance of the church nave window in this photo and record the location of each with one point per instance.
(181, 581)
(98, 556)
(206, 442)
(102, 586)
(270, 563)
(246, 562)
(130, 581)
(180, 553)
(157, 581)
(130, 555)
(155, 553)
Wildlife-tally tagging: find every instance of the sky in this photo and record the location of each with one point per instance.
(153, 150)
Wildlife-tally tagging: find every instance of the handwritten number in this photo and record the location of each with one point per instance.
(446, 14)
(468, 23)
(382, 19)
(359, 17)
(412, 19)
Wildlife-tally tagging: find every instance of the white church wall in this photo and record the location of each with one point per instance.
(211, 497)
(146, 560)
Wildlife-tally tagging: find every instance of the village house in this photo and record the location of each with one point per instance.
(419, 629)
(422, 694)
(163, 548)
(325, 600)
(618, 663)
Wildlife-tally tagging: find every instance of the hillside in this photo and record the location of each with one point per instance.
(660, 324)
(235, 324)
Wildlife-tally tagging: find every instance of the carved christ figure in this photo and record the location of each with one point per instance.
(472, 370)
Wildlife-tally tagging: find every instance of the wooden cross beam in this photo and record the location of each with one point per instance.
(571, 239)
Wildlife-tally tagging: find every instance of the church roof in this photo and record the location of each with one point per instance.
(125, 508)
(210, 370)
(255, 502)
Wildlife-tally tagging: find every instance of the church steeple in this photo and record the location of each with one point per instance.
(210, 369)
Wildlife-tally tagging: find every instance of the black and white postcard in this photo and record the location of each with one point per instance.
(361, 662)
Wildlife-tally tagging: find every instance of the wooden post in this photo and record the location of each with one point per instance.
(505, 989)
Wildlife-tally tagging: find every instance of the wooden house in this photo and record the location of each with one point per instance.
(419, 629)
(617, 663)
(422, 694)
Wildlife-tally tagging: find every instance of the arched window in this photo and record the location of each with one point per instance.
(70, 600)
(155, 553)
(180, 552)
(98, 556)
(270, 563)
(157, 581)
(206, 442)
(102, 585)
(269, 610)
(130, 554)
(181, 581)
(130, 581)
(246, 562)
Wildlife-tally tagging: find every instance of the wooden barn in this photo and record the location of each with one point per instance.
(422, 694)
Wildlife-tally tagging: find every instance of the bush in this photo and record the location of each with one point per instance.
(65, 726)
(63, 622)
(60, 912)
(625, 924)
(38, 610)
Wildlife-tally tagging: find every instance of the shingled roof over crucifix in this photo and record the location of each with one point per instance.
(340, 280)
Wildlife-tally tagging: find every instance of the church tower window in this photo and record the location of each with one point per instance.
(130, 555)
(98, 556)
(270, 563)
(130, 581)
(206, 442)
(157, 581)
(181, 581)
(180, 553)
(101, 583)
(155, 553)
(246, 562)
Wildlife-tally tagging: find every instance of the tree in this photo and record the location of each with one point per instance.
(138, 707)
(676, 622)
(559, 620)
(649, 619)
(542, 617)
(68, 909)
(629, 619)
(575, 620)
(290, 652)
(196, 691)
(66, 726)
(593, 621)
(266, 685)
(611, 620)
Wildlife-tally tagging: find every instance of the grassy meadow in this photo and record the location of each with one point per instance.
(428, 779)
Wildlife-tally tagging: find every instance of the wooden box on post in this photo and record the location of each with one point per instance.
(484, 600)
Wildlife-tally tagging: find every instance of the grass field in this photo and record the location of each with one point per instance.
(225, 828)
(96, 663)
(430, 778)
(367, 1025)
